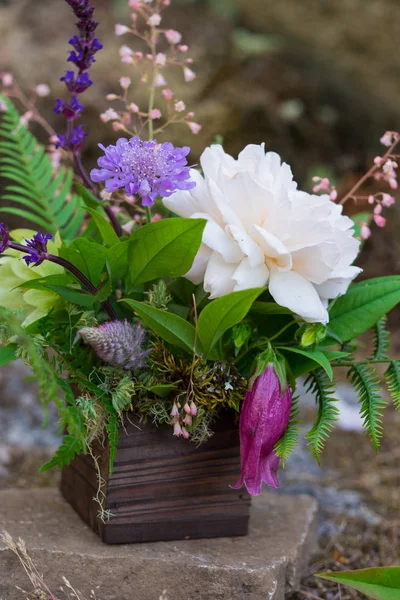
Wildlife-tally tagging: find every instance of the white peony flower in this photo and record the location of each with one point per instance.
(262, 231)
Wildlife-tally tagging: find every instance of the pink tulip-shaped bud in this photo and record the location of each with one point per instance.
(263, 421)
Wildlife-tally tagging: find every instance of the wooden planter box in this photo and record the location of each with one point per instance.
(163, 487)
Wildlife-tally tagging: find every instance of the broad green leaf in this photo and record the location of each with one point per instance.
(88, 197)
(222, 314)
(41, 283)
(8, 354)
(92, 255)
(164, 249)
(73, 296)
(363, 305)
(106, 230)
(381, 583)
(269, 308)
(162, 390)
(316, 356)
(117, 258)
(169, 327)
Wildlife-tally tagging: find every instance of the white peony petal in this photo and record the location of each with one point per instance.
(250, 157)
(293, 291)
(272, 247)
(181, 203)
(198, 270)
(338, 283)
(215, 160)
(215, 238)
(248, 277)
(247, 245)
(218, 278)
(316, 263)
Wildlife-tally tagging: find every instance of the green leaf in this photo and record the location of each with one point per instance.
(392, 376)
(92, 255)
(45, 195)
(162, 390)
(117, 258)
(269, 308)
(73, 296)
(8, 354)
(90, 200)
(222, 314)
(164, 249)
(285, 447)
(363, 305)
(382, 340)
(70, 447)
(315, 355)
(169, 327)
(381, 583)
(319, 385)
(106, 230)
(367, 386)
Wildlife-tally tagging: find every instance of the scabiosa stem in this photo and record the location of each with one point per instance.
(36, 252)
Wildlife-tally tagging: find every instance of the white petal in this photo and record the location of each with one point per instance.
(181, 203)
(338, 283)
(248, 277)
(293, 291)
(250, 157)
(215, 238)
(218, 278)
(247, 245)
(214, 159)
(316, 263)
(197, 272)
(272, 247)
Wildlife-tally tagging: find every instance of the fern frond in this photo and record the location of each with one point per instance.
(288, 442)
(366, 384)
(121, 396)
(112, 429)
(70, 447)
(319, 384)
(42, 197)
(381, 340)
(392, 376)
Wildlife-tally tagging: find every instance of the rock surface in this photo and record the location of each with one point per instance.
(263, 565)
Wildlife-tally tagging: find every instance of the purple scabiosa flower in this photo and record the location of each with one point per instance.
(117, 343)
(147, 169)
(4, 238)
(263, 421)
(37, 249)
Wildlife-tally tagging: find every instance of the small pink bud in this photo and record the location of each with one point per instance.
(333, 195)
(135, 4)
(378, 161)
(183, 48)
(168, 94)
(7, 79)
(166, 2)
(178, 429)
(387, 139)
(3, 106)
(125, 51)
(188, 420)
(190, 115)
(133, 107)
(188, 74)
(111, 97)
(365, 231)
(189, 61)
(42, 90)
(173, 37)
(159, 80)
(387, 200)
(161, 59)
(139, 55)
(117, 126)
(121, 29)
(186, 408)
(174, 411)
(180, 106)
(157, 217)
(193, 409)
(155, 114)
(378, 209)
(194, 127)
(125, 82)
(371, 199)
(379, 220)
(154, 20)
(109, 115)
(185, 434)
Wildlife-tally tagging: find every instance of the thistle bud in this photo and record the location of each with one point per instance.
(117, 343)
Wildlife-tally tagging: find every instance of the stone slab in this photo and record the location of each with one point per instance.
(263, 565)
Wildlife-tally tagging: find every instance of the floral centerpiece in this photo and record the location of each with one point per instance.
(180, 296)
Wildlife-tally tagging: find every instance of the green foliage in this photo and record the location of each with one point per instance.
(45, 197)
(381, 340)
(8, 354)
(112, 429)
(169, 327)
(381, 583)
(366, 383)
(363, 306)
(70, 447)
(316, 356)
(107, 233)
(222, 314)
(158, 295)
(121, 396)
(164, 249)
(319, 385)
(288, 442)
(393, 382)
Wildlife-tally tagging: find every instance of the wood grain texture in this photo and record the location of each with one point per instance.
(163, 487)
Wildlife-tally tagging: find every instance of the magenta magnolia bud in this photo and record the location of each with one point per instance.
(263, 421)
(117, 343)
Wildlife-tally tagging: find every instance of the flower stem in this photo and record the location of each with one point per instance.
(148, 214)
(287, 326)
(88, 285)
(90, 186)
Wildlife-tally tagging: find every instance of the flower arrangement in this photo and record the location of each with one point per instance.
(175, 292)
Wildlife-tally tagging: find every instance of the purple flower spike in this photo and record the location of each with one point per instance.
(147, 169)
(263, 421)
(37, 249)
(4, 238)
(117, 343)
